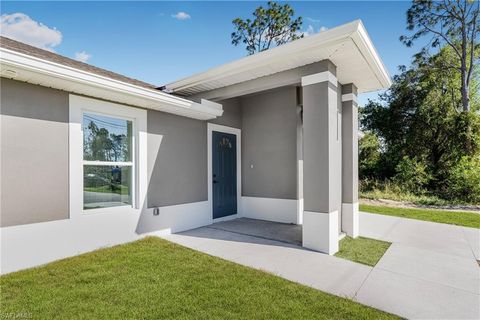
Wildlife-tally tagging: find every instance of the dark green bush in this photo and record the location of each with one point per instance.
(412, 175)
(464, 180)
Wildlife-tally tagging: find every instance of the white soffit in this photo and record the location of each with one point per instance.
(348, 46)
(22, 67)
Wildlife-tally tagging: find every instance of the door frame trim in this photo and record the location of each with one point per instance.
(238, 133)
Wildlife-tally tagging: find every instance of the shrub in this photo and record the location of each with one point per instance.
(464, 180)
(387, 190)
(412, 175)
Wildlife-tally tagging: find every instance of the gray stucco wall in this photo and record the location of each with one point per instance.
(269, 144)
(34, 153)
(316, 161)
(232, 113)
(177, 159)
(177, 155)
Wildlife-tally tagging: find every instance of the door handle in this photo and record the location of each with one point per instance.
(215, 181)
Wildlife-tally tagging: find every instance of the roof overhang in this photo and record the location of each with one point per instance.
(348, 46)
(22, 67)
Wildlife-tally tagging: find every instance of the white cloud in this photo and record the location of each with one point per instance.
(308, 32)
(181, 16)
(82, 56)
(312, 20)
(312, 30)
(18, 26)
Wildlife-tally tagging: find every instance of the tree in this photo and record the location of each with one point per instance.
(368, 154)
(454, 23)
(273, 25)
(414, 120)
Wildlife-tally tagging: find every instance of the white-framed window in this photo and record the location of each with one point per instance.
(108, 161)
(107, 156)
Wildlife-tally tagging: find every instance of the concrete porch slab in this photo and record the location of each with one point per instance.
(283, 232)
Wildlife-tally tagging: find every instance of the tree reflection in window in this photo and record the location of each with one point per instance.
(106, 138)
(107, 141)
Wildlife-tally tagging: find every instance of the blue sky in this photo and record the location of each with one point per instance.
(152, 42)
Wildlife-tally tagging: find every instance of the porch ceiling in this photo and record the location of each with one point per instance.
(347, 46)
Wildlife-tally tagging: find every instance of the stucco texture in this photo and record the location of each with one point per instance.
(34, 153)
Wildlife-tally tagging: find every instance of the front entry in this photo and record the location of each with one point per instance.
(224, 174)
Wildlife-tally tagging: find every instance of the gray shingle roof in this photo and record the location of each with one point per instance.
(20, 47)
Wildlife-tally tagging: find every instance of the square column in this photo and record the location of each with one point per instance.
(350, 160)
(321, 160)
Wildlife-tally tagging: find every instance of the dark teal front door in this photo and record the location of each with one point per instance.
(224, 174)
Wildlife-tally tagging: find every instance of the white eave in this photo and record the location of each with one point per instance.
(348, 46)
(22, 67)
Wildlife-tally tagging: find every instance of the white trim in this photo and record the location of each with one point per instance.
(349, 97)
(363, 42)
(47, 73)
(238, 133)
(77, 106)
(175, 218)
(300, 191)
(211, 104)
(304, 50)
(30, 245)
(108, 163)
(350, 220)
(300, 208)
(270, 209)
(319, 77)
(320, 231)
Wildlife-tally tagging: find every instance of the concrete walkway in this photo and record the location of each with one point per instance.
(429, 272)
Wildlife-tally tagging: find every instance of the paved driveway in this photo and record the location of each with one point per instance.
(429, 272)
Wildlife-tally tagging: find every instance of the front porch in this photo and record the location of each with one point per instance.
(428, 272)
(288, 154)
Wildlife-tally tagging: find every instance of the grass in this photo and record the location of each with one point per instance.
(428, 200)
(362, 250)
(459, 218)
(108, 189)
(156, 279)
(376, 190)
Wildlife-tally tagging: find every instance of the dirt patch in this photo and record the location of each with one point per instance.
(392, 203)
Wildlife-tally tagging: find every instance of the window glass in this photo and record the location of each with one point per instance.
(106, 138)
(106, 186)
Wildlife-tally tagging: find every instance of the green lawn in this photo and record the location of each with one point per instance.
(156, 279)
(459, 218)
(362, 250)
(108, 189)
